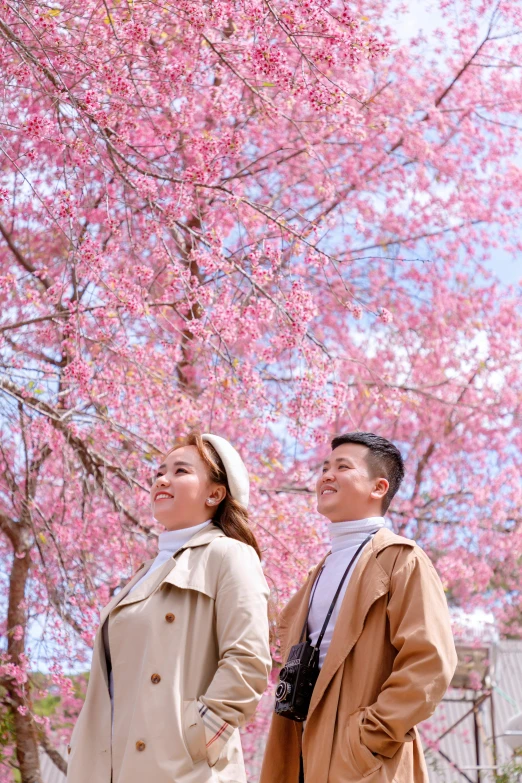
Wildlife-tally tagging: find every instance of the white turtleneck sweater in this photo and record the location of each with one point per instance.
(345, 539)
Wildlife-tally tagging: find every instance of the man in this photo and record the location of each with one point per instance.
(387, 655)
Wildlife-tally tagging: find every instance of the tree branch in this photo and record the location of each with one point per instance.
(93, 462)
(56, 757)
(45, 281)
(8, 527)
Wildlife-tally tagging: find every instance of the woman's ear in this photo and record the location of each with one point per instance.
(216, 495)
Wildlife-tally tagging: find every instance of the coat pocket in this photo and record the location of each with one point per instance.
(194, 731)
(364, 760)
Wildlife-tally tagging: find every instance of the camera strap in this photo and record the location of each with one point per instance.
(303, 632)
(336, 596)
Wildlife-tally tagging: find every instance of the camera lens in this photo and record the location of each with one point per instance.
(281, 691)
(283, 674)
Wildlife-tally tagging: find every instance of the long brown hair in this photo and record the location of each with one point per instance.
(230, 516)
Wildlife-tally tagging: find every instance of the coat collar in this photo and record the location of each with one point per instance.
(202, 538)
(369, 581)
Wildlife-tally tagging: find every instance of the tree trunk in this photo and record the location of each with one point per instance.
(25, 730)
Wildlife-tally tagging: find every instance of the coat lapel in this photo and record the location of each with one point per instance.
(146, 589)
(115, 600)
(148, 586)
(367, 584)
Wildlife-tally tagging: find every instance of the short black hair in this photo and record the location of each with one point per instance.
(383, 459)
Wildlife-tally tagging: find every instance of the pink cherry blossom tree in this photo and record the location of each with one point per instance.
(269, 220)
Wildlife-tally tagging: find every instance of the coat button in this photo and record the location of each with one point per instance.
(155, 678)
(140, 745)
(169, 617)
(68, 750)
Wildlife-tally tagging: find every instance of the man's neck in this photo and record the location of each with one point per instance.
(346, 534)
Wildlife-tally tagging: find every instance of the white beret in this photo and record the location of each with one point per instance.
(236, 471)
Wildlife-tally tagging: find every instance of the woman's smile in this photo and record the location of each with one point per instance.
(163, 496)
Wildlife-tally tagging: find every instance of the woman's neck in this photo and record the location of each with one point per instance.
(171, 540)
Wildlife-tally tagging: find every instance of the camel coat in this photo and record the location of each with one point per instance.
(389, 663)
(196, 630)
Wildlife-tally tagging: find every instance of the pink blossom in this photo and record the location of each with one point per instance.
(18, 633)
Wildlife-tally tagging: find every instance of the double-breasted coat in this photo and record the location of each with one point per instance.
(389, 663)
(195, 632)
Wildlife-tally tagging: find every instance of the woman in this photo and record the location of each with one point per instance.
(182, 655)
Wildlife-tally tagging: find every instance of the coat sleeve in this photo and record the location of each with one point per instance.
(420, 631)
(242, 629)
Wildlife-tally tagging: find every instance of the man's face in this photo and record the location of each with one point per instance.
(345, 489)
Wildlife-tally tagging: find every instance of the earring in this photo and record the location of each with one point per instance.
(210, 501)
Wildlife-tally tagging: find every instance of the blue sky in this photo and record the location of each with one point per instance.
(508, 270)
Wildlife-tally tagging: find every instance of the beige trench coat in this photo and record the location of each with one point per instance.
(389, 663)
(197, 629)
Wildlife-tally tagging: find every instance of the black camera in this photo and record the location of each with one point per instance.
(297, 679)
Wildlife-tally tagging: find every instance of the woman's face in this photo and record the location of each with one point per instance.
(182, 494)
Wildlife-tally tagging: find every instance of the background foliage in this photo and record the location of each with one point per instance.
(270, 220)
